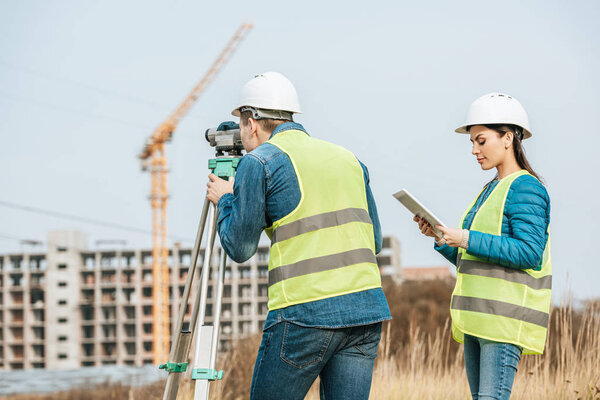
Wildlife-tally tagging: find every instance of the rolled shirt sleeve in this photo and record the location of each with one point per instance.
(242, 214)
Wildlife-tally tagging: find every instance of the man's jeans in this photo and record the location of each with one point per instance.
(291, 357)
(491, 367)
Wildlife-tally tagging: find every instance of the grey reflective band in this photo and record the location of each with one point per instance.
(320, 264)
(320, 221)
(500, 308)
(480, 268)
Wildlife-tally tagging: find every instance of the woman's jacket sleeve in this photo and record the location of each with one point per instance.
(524, 228)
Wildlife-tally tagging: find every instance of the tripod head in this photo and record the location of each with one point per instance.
(225, 138)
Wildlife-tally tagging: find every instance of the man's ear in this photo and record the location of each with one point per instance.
(253, 126)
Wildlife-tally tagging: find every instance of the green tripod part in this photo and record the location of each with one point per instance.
(208, 374)
(224, 167)
(174, 367)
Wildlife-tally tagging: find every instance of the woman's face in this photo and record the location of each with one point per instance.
(489, 147)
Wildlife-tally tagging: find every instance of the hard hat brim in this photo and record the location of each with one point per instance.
(464, 129)
(236, 111)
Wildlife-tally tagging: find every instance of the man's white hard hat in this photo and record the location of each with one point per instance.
(269, 91)
(496, 108)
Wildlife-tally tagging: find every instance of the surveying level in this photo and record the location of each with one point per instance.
(226, 139)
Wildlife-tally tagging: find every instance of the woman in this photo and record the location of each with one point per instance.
(501, 302)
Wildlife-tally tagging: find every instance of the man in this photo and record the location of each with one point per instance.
(313, 200)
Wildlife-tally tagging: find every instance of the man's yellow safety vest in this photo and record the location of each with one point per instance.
(325, 247)
(498, 303)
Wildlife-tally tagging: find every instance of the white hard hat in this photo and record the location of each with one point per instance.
(496, 108)
(269, 91)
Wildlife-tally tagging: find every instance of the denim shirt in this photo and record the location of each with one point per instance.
(265, 190)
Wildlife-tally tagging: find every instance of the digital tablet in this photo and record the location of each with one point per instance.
(416, 208)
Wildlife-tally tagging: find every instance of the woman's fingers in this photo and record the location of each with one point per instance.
(424, 226)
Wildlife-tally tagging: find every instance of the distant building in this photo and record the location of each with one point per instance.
(426, 273)
(72, 307)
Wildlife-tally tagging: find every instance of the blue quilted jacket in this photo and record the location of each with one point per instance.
(524, 227)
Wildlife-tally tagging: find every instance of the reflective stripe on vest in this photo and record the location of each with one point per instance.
(495, 302)
(325, 247)
(320, 221)
(481, 268)
(318, 264)
(496, 307)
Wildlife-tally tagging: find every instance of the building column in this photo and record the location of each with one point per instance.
(137, 303)
(27, 349)
(119, 314)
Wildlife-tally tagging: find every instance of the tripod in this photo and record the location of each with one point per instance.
(207, 337)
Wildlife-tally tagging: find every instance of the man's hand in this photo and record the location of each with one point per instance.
(217, 187)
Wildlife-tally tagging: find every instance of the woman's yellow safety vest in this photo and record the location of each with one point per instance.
(498, 303)
(325, 247)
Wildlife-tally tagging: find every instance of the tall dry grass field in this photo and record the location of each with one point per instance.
(418, 358)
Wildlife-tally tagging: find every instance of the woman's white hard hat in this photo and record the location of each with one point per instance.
(496, 108)
(269, 91)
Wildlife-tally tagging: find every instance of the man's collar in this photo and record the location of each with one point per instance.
(287, 126)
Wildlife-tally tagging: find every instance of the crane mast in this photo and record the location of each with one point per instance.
(153, 158)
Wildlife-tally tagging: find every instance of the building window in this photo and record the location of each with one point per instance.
(61, 248)
(62, 356)
(62, 266)
(62, 338)
(62, 302)
(62, 320)
(62, 284)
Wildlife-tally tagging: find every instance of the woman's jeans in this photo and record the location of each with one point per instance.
(491, 367)
(291, 357)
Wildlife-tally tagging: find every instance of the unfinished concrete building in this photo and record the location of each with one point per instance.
(72, 307)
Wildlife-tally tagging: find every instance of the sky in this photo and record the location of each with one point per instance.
(84, 83)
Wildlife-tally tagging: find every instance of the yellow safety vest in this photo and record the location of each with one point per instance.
(325, 247)
(498, 303)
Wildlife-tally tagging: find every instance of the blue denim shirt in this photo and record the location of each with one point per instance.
(265, 190)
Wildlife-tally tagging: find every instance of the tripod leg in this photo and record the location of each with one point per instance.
(218, 303)
(180, 346)
(206, 349)
(199, 309)
(204, 334)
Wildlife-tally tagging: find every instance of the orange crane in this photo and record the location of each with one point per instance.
(153, 158)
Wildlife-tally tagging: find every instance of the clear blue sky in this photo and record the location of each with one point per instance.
(83, 83)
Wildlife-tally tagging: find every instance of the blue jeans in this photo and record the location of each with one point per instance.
(491, 368)
(291, 357)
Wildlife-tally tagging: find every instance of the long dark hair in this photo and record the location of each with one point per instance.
(518, 149)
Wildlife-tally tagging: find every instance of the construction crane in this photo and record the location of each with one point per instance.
(154, 159)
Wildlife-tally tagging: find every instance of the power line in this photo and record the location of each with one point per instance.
(102, 91)
(83, 219)
(84, 85)
(11, 96)
(22, 241)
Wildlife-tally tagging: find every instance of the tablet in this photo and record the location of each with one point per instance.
(416, 208)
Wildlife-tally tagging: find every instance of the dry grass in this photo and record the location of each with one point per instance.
(419, 360)
(102, 392)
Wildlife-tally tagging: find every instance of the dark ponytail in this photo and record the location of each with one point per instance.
(518, 149)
